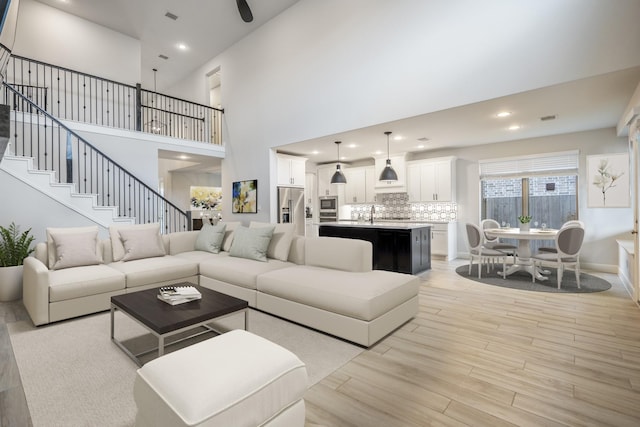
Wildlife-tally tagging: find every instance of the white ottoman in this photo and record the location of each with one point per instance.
(235, 379)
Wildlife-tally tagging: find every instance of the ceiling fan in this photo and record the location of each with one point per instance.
(245, 11)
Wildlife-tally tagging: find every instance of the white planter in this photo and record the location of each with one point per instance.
(525, 227)
(10, 283)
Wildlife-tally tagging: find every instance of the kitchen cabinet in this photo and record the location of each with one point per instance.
(404, 248)
(360, 186)
(309, 189)
(291, 170)
(444, 240)
(399, 165)
(432, 180)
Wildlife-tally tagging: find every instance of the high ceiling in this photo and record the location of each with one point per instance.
(205, 27)
(208, 27)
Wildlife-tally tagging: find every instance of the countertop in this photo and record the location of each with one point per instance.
(404, 225)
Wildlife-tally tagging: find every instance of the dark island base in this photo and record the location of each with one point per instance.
(399, 250)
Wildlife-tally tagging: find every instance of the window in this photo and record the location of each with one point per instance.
(546, 186)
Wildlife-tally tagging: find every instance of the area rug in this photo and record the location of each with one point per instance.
(73, 375)
(522, 280)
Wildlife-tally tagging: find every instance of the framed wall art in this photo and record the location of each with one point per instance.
(608, 181)
(244, 196)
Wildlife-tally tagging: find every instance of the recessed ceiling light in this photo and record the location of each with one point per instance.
(504, 114)
(421, 146)
(182, 46)
(398, 138)
(352, 145)
(315, 152)
(514, 127)
(343, 158)
(183, 157)
(377, 153)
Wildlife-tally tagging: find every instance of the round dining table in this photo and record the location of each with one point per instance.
(523, 260)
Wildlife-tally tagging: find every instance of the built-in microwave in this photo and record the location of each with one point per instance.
(328, 203)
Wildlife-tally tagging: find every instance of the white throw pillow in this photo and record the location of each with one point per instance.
(251, 243)
(141, 243)
(52, 256)
(280, 241)
(75, 249)
(116, 242)
(210, 237)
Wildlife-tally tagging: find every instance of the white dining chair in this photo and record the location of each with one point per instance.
(568, 245)
(494, 242)
(552, 249)
(481, 253)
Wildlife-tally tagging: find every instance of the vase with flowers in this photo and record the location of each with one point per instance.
(525, 222)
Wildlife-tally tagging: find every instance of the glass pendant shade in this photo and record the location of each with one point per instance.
(338, 177)
(388, 174)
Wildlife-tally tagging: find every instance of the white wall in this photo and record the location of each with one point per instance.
(55, 37)
(28, 208)
(603, 226)
(323, 67)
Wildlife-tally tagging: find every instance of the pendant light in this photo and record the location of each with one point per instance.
(155, 125)
(338, 177)
(388, 174)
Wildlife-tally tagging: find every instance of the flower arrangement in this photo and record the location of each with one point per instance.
(524, 219)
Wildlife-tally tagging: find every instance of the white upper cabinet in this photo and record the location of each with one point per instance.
(398, 163)
(291, 171)
(360, 186)
(432, 180)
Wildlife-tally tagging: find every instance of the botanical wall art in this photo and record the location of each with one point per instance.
(245, 196)
(206, 198)
(608, 181)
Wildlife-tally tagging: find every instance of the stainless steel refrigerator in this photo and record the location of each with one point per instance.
(291, 207)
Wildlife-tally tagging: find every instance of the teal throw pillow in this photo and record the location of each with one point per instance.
(251, 243)
(210, 237)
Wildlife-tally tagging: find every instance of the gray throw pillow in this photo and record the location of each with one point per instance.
(210, 237)
(251, 243)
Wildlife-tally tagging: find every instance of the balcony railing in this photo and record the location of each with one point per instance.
(72, 95)
(54, 147)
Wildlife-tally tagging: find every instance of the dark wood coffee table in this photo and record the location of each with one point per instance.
(164, 320)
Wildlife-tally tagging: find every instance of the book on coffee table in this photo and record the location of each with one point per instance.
(178, 294)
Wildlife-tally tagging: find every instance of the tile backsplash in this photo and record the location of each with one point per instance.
(397, 206)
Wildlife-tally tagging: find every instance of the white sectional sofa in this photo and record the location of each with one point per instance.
(325, 283)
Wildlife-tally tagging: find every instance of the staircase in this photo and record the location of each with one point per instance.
(46, 182)
(102, 190)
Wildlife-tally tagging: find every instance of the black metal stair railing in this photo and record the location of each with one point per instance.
(54, 147)
(77, 96)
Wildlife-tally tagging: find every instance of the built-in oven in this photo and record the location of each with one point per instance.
(328, 211)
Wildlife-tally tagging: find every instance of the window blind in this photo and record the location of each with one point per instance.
(562, 163)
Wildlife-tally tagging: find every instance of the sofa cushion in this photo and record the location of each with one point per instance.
(251, 243)
(200, 256)
(280, 243)
(238, 271)
(116, 243)
(141, 243)
(51, 248)
(84, 281)
(75, 249)
(210, 237)
(361, 295)
(228, 235)
(155, 270)
(339, 253)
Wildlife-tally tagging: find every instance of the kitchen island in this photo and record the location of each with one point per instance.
(404, 247)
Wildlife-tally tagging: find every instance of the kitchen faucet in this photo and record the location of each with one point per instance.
(373, 211)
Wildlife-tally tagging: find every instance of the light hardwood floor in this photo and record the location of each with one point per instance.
(475, 355)
(481, 355)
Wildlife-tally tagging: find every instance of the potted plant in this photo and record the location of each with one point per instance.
(14, 248)
(525, 221)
